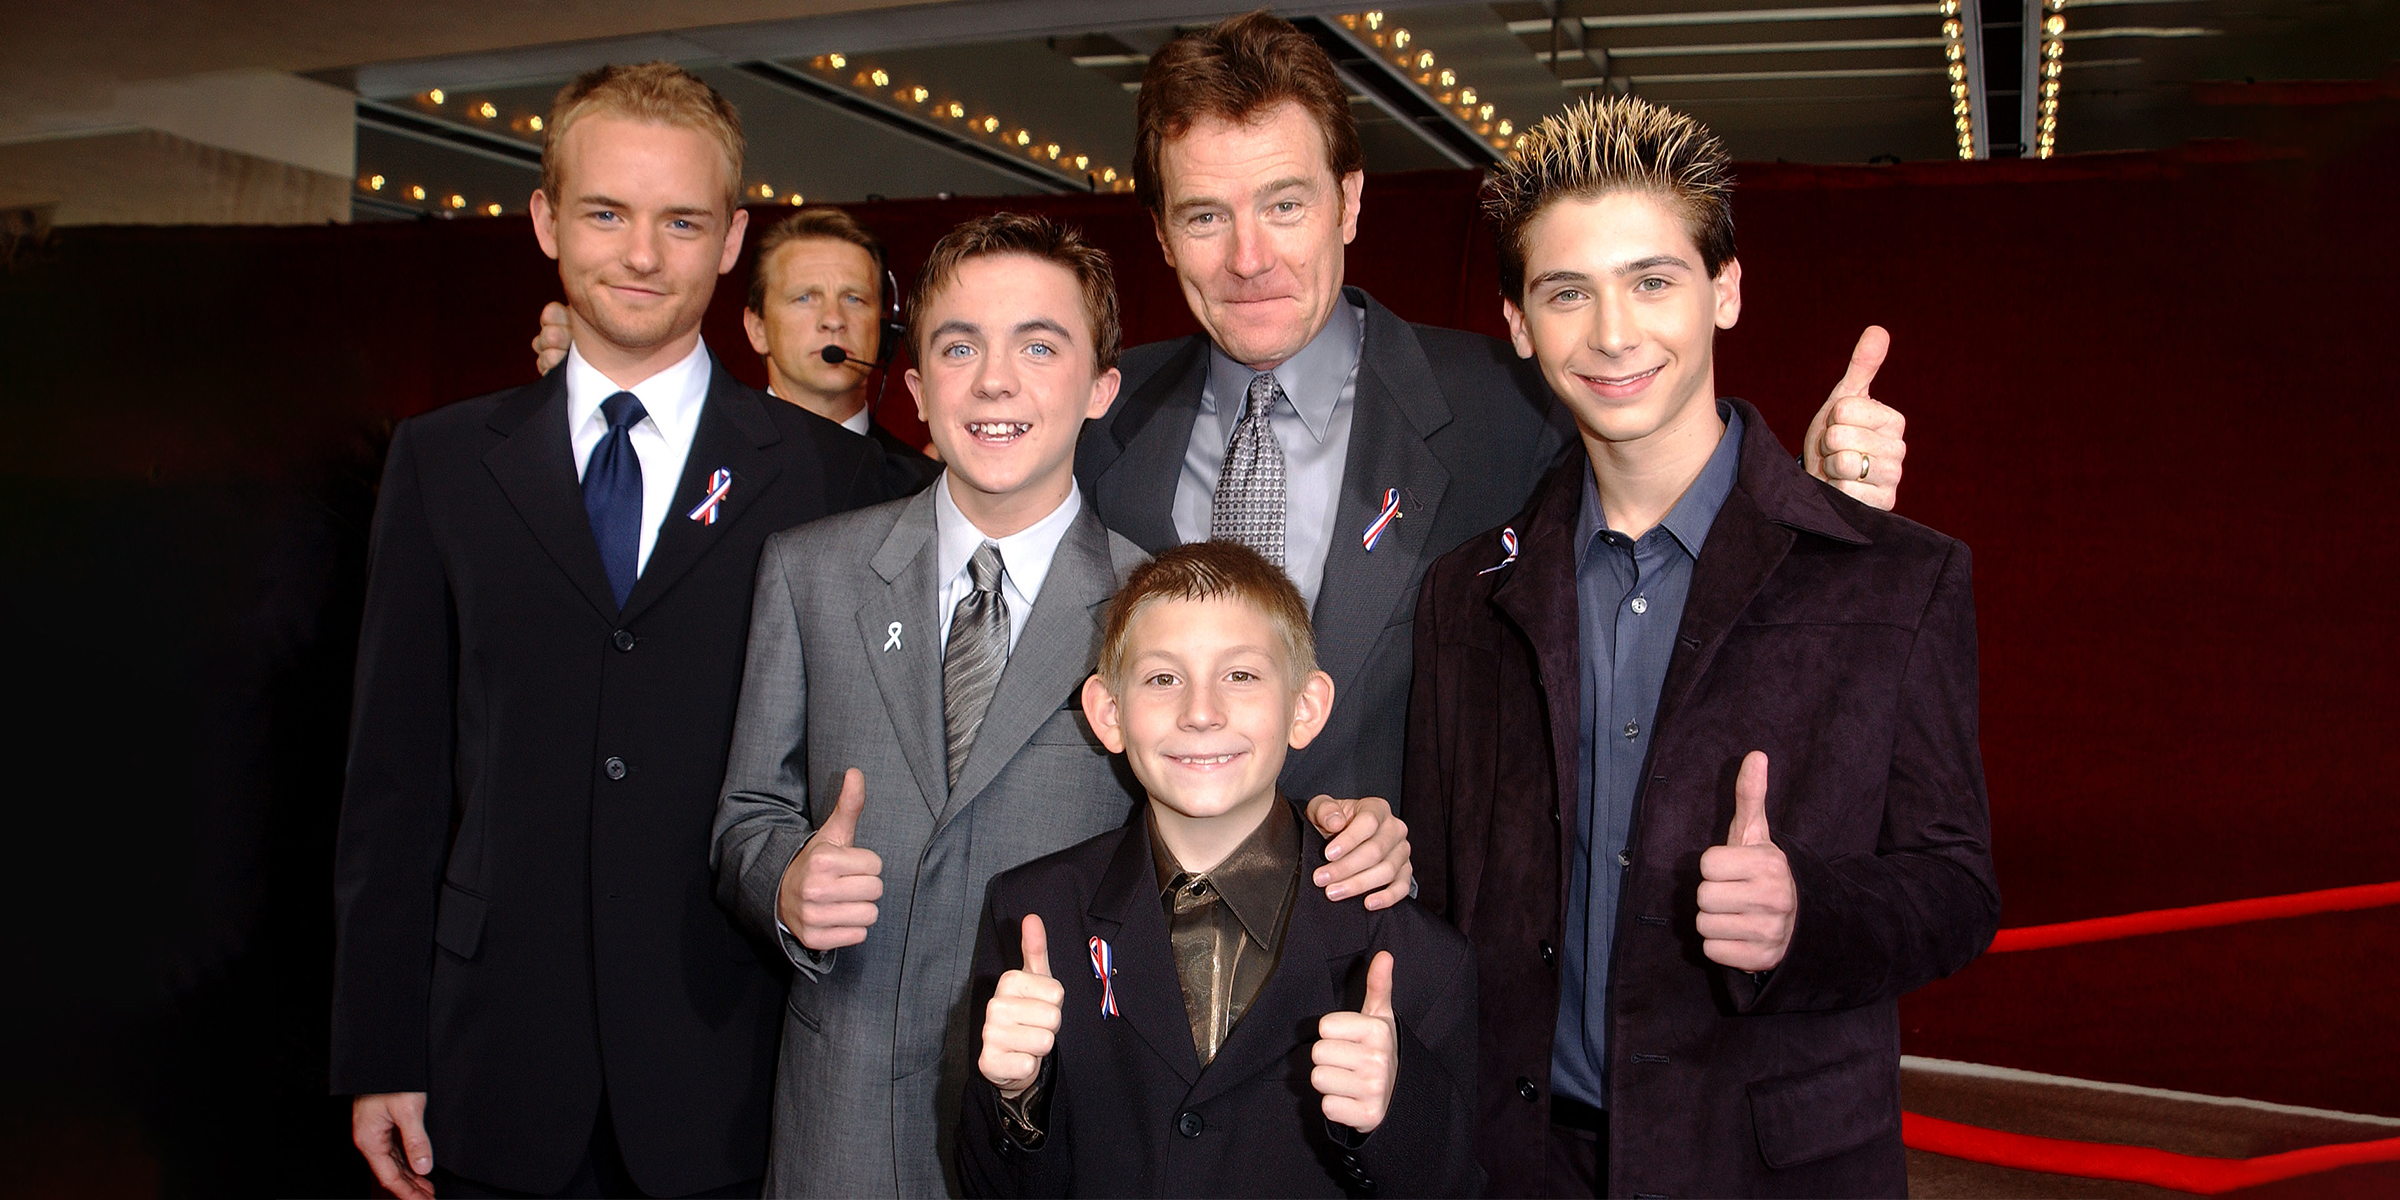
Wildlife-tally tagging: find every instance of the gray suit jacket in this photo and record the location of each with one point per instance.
(1453, 421)
(845, 670)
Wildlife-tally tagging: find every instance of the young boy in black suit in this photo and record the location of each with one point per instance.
(1211, 1027)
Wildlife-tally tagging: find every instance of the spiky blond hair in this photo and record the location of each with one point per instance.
(1597, 147)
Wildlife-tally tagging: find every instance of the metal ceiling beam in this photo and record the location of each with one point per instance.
(1695, 49)
(802, 84)
(375, 114)
(1396, 94)
(1742, 16)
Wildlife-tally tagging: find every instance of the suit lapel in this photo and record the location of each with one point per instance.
(733, 434)
(1125, 913)
(1135, 491)
(1322, 942)
(1051, 658)
(1397, 406)
(1537, 594)
(535, 468)
(910, 674)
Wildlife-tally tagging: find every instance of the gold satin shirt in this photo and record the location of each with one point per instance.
(1226, 924)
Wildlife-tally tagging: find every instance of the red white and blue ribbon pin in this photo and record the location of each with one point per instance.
(1508, 542)
(1383, 521)
(720, 485)
(1104, 964)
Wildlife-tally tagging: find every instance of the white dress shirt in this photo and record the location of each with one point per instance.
(1024, 556)
(662, 440)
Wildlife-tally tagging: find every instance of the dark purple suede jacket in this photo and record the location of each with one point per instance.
(1841, 641)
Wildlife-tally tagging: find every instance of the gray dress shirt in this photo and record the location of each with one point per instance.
(1320, 388)
(1628, 602)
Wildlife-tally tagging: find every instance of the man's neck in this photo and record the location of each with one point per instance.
(1200, 843)
(1014, 512)
(624, 366)
(837, 408)
(1640, 480)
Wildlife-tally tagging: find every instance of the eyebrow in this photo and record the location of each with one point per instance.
(1635, 267)
(680, 210)
(1285, 184)
(1044, 325)
(968, 328)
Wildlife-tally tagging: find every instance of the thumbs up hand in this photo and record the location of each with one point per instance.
(1020, 1025)
(1357, 1054)
(1856, 443)
(827, 898)
(1748, 900)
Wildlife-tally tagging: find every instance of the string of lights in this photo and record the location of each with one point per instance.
(915, 99)
(1418, 63)
(2054, 49)
(1954, 48)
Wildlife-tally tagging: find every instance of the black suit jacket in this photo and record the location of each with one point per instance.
(910, 469)
(524, 910)
(1133, 1114)
(1841, 641)
(1456, 421)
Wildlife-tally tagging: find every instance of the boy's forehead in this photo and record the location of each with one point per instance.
(1611, 229)
(999, 292)
(607, 152)
(1171, 624)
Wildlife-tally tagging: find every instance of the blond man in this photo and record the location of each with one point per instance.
(535, 992)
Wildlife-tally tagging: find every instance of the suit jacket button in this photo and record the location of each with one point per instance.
(1549, 954)
(1526, 1091)
(624, 639)
(615, 768)
(1190, 1124)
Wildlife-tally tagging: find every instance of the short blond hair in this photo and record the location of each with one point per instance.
(1598, 147)
(1210, 571)
(657, 93)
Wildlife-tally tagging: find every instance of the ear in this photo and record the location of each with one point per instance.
(916, 390)
(733, 239)
(1311, 708)
(756, 327)
(1729, 293)
(1517, 336)
(1104, 394)
(1353, 185)
(1166, 249)
(1100, 708)
(545, 221)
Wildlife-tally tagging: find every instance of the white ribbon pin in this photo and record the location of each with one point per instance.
(892, 642)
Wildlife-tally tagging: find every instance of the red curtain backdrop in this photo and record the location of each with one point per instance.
(2150, 390)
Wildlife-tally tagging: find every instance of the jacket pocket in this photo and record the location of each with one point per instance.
(1819, 1113)
(458, 920)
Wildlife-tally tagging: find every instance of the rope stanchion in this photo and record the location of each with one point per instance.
(2134, 1164)
(2199, 916)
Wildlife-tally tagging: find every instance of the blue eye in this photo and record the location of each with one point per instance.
(1040, 350)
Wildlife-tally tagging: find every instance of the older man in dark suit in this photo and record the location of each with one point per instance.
(1348, 446)
(1692, 753)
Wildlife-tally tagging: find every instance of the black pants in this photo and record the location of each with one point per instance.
(1578, 1163)
(600, 1176)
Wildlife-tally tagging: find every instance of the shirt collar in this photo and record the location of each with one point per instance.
(1688, 522)
(671, 397)
(1253, 880)
(1024, 555)
(1313, 380)
(857, 422)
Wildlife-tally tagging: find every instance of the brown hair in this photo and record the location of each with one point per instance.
(1211, 571)
(1594, 148)
(657, 93)
(831, 224)
(1035, 237)
(1234, 71)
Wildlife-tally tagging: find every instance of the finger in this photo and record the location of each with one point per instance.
(841, 829)
(856, 914)
(554, 313)
(1871, 416)
(1379, 987)
(1396, 891)
(1749, 826)
(1865, 360)
(1037, 946)
(841, 875)
(413, 1141)
(1331, 817)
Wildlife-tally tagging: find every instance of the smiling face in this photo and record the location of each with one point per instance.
(1207, 710)
(1007, 374)
(1254, 223)
(819, 292)
(1622, 316)
(641, 229)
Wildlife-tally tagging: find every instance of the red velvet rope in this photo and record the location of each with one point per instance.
(2200, 916)
(2134, 1164)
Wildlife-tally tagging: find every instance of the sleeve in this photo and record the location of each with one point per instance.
(397, 796)
(1924, 903)
(763, 819)
(1424, 803)
(990, 1162)
(1426, 1144)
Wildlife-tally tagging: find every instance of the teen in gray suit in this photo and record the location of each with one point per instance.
(946, 638)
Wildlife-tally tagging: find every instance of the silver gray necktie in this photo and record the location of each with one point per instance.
(972, 660)
(1248, 506)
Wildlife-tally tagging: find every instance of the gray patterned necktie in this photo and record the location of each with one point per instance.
(977, 650)
(1248, 506)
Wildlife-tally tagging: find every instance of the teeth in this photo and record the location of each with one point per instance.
(1211, 761)
(998, 428)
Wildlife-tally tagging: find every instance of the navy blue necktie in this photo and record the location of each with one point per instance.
(612, 494)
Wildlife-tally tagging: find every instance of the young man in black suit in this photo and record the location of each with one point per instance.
(1212, 1026)
(534, 986)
